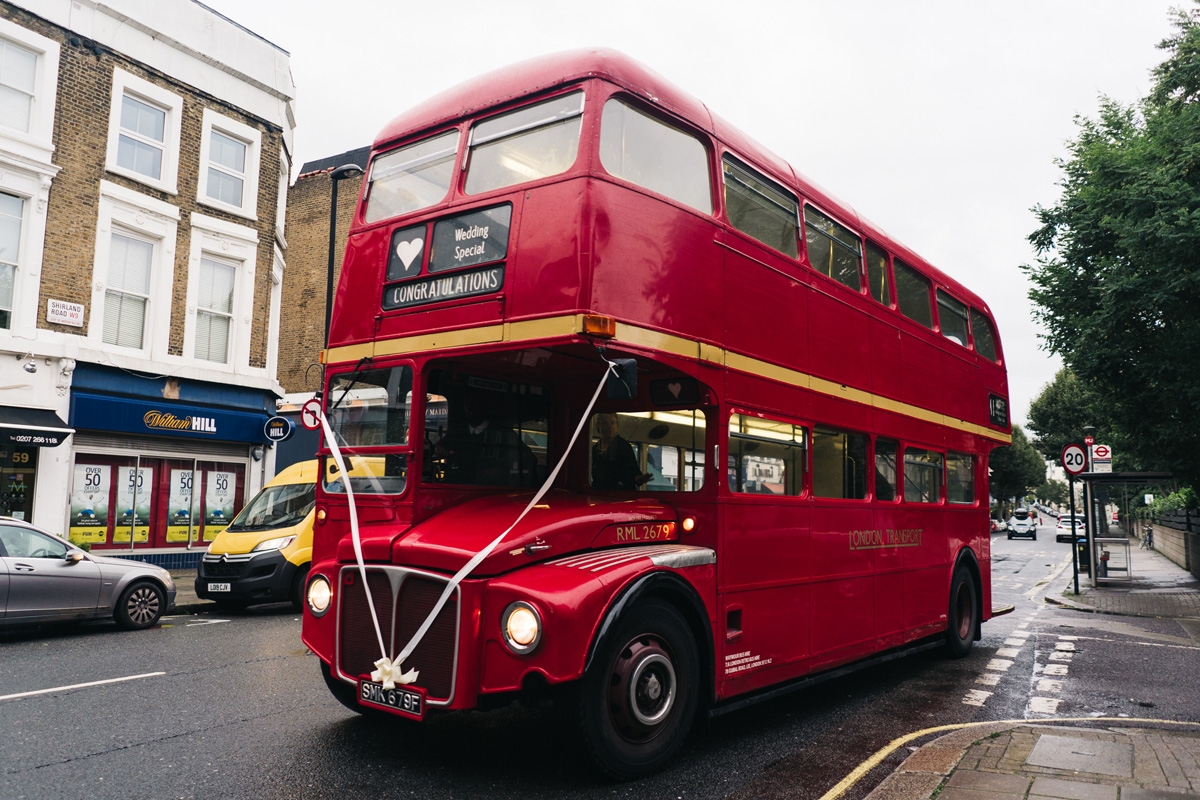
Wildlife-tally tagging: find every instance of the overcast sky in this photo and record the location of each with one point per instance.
(939, 120)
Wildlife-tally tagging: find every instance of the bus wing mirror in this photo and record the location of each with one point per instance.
(622, 382)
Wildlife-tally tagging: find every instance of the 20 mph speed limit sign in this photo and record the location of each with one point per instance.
(1074, 460)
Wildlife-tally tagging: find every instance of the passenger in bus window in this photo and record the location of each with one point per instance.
(614, 462)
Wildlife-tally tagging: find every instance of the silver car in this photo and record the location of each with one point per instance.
(46, 579)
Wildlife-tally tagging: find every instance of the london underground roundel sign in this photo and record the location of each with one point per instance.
(1074, 460)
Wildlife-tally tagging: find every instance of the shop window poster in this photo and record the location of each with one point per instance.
(180, 507)
(135, 488)
(220, 490)
(89, 504)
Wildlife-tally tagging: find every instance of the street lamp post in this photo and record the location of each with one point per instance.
(1089, 525)
(341, 173)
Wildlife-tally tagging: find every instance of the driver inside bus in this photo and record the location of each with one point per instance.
(481, 449)
(614, 462)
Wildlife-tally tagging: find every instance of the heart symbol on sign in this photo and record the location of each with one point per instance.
(407, 251)
(675, 389)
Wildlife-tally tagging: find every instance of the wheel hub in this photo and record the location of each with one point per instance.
(642, 688)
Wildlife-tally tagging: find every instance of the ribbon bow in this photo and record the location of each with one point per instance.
(390, 673)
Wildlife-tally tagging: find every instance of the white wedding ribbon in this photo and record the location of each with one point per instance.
(389, 671)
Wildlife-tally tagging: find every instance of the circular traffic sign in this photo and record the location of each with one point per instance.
(310, 414)
(1074, 460)
(1089, 440)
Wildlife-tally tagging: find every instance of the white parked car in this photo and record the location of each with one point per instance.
(1063, 532)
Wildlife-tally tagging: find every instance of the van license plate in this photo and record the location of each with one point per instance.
(219, 587)
(408, 702)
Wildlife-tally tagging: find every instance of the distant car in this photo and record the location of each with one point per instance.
(52, 580)
(1022, 523)
(999, 526)
(1063, 531)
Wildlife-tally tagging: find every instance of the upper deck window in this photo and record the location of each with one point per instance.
(411, 178)
(912, 294)
(638, 148)
(523, 145)
(952, 315)
(985, 335)
(833, 249)
(877, 275)
(761, 209)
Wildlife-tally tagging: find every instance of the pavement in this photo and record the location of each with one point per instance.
(1092, 759)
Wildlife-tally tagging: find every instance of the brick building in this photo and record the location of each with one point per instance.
(304, 284)
(144, 162)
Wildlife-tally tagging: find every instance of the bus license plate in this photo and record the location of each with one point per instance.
(219, 587)
(409, 702)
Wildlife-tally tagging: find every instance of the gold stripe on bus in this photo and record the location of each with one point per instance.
(571, 325)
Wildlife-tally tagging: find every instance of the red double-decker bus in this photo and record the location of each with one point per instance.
(730, 435)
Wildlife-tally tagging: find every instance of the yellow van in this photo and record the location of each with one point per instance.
(264, 553)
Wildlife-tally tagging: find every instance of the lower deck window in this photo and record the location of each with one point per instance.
(651, 451)
(922, 476)
(839, 464)
(766, 456)
(960, 478)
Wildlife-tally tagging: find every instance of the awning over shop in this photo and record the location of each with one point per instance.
(32, 427)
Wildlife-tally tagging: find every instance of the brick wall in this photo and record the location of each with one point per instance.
(81, 141)
(302, 320)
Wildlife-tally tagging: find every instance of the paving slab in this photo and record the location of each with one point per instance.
(1083, 755)
(1072, 790)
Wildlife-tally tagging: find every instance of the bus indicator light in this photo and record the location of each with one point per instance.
(596, 325)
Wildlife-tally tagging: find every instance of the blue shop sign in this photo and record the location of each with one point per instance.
(105, 413)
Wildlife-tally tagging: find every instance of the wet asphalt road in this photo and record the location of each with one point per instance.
(240, 711)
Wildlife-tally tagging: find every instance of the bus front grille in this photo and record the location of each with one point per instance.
(403, 599)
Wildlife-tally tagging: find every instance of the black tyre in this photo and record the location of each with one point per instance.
(964, 613)
(140, 606)
(296, 595)
(1010, 537)
(638, 698)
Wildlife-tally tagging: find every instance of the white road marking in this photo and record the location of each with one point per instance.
(976, 697)
(1008, 652)
(205, 622)
(1043, 705)
(999, 665)
(80, 685)
(988, 678)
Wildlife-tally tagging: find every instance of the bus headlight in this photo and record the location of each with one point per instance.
(320, 594)
(522, 627)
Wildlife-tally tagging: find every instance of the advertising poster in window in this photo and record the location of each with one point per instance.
(89, 504)
(179, 506)
(134, 490)
(220, 490)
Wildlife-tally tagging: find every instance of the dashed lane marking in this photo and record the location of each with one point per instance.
(81, 685)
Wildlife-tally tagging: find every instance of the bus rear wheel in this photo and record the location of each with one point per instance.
(638, 698)
(964, 613)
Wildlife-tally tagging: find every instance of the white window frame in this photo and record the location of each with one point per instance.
(38, 142)
(135, 214)
(228, 243)
(281, 206)
(252, 138)
(172, 104)
(273, 322)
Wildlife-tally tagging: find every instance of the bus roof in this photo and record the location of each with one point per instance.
(529, 77)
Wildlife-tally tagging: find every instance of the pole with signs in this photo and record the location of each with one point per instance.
(1074, 461)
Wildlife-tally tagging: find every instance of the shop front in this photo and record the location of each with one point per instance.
(23, 433)
(150, 474)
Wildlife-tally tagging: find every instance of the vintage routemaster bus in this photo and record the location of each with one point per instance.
(735, 436)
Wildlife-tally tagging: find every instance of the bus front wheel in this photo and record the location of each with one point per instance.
(964, 613)
(638, 698)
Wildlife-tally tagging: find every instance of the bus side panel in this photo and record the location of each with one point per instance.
(885, 359)
(356, 303)
(926, 569)
(840, 352)
(957, 377)
(762, 285)
(765, 567)
(551, 251)
(920, 359)
(642, 247)
(842, 613)
(889, 582)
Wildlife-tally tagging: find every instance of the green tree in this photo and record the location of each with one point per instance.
(1117, 271)
(1052, 493)
(1015, 469)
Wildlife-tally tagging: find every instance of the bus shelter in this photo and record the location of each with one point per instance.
(1107, 554)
